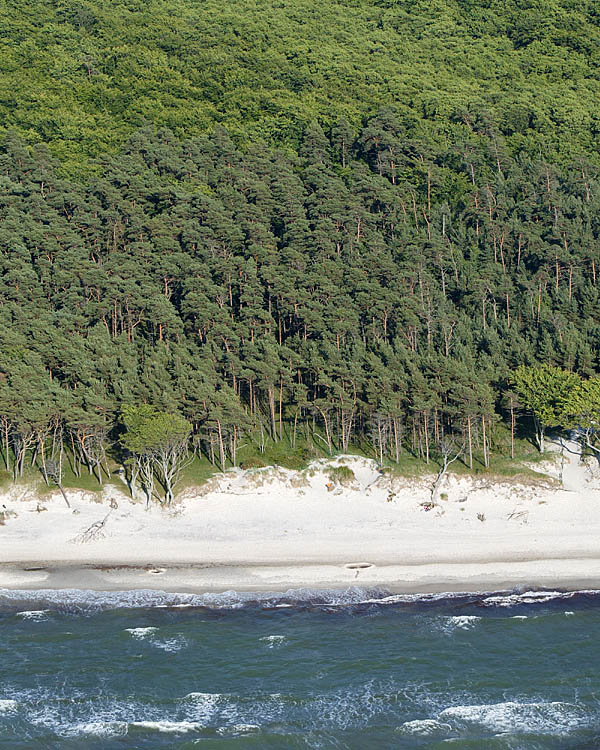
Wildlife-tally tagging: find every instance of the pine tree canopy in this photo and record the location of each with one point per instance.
(345, 226)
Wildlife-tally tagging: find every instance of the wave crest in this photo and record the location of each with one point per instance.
(525, 718)
(82, 601)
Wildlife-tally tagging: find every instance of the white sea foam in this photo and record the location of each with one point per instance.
(170, 645)
(273, 641)
(351, 708)
(519, 617)
(569, 614)
(238, 729)
(424, 728)
(165, 644)
(172, 727)
(83, 601)
(462, 622)
(202, 707)
(140, 633)
(97, 729)
(34, 614)
(546, 718)
(389, 599)
(530, 597)
(8, 705)
(203, 697)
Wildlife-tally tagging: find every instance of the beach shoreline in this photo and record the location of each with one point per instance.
(560, 574)
(275, 529)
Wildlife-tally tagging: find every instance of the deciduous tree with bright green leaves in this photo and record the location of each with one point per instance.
(582, 408)
(158, 444)
(546, 391)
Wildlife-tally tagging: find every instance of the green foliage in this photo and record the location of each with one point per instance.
(70, 481)
(253, 463)
(280, 453)
(342, 475)
(83, 76)
(407, 466)
(148, 430)
(196, 472)
(547, 392)
(85, 481)
(158, 442)
(582, 406)
(371, 292)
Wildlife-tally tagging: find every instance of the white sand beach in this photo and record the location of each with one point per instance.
(274, 529)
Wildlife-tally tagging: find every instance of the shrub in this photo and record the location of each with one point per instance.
(341, 475)
(253, 463)
(294, 461)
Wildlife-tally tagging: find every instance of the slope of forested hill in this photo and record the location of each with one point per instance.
(82, 75)
(367, 289)
(403, 208)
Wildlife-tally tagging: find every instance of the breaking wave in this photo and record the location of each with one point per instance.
(424, 728)
(81, 601)
(171, 727)
(140, 633)
(554, 718)
(8, 705)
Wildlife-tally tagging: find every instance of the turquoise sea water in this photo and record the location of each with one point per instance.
(353, 669)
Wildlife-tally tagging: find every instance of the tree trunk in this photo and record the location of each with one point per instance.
(539, 433)
(60, 487)
(43, 456)
(446, 461)
(211, 447)
(234, 446)
(280, 408)
(327, 431)
(76, 470)
(271, 395)
(6, 446)
(486, 461)
(295, 427)
(470, 438)
(512, 432)
(99, 468)
(439, 479)
(221, 446)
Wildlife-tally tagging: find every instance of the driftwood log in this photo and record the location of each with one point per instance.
(93, 532)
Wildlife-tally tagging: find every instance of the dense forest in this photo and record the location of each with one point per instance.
(344, 277)
(81, 75)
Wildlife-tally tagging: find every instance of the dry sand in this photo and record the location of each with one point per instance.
(273, 529)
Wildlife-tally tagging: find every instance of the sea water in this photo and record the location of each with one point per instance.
(338, 669)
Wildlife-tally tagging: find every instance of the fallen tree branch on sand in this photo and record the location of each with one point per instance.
(447, 448)
(92, 533)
